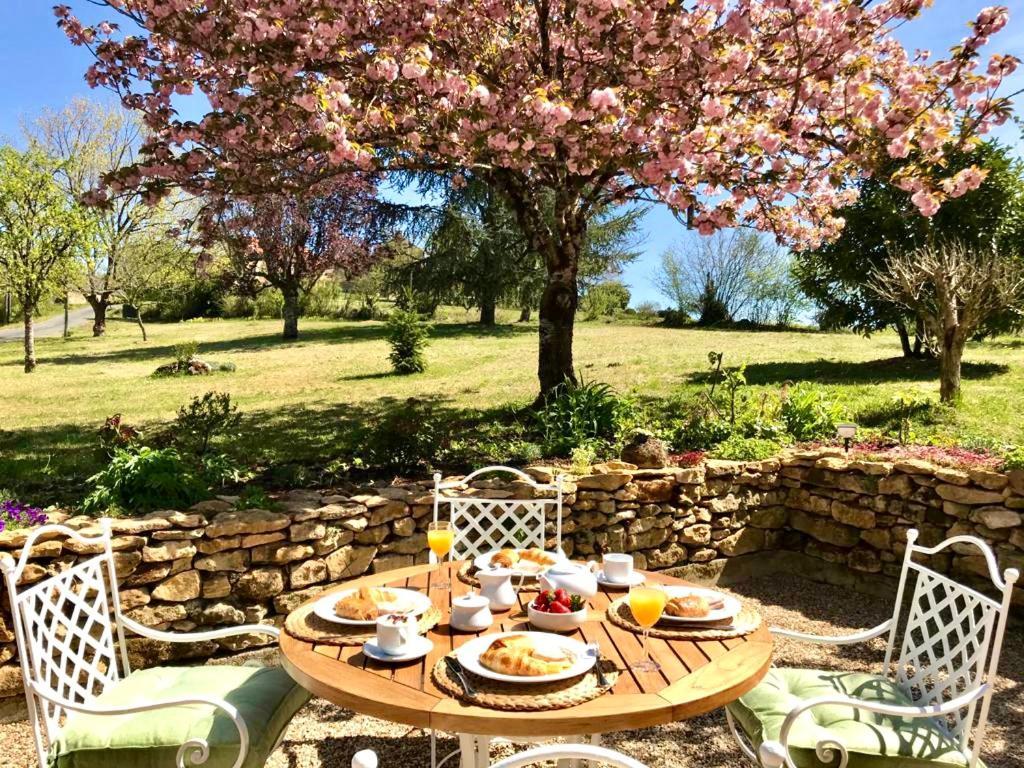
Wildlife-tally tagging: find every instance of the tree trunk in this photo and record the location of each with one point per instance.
(290, 312)
(949, 366)
(557, 316)
(138, 320)
(904, 334)
(99, 306)
(487, 311)
(524, 314)
(30, 340)
(66, 318)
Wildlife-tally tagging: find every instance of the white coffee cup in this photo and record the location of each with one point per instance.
(617, 567)
(395, 631)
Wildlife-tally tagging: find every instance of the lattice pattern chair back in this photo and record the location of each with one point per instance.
(70, 643)
(482, 525)
(951, 639)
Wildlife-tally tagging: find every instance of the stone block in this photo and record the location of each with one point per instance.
(245, 522)
(824, 529)
(996, 517)
(259, 584)
(847, 514)
(301, 575)
(281, 553)
(168, 550)
(742, 542)
(215, 586)
(235, 560)
(179, 588)
(349, 561)
(968, 495)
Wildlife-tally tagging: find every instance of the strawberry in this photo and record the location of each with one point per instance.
(559, 608)
(562, 596)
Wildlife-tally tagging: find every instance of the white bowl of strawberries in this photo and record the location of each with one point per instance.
(557, 611)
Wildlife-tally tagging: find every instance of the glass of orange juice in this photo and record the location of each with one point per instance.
(647, 604)
(440, 538)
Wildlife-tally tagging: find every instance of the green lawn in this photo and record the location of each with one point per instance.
(301, 398)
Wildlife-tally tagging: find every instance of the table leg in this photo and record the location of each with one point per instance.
(475, 750)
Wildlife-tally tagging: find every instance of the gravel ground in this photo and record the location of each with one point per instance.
(324, 735)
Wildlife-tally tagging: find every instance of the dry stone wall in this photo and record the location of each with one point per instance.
(214, 565)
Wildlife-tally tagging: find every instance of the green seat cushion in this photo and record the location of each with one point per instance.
(872, 740)
(265, 697)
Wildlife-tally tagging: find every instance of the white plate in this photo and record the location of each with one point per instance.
(728, 611)
(635, 580)
(469, 656)
(483, 562)
(417, 649)
(415, 603)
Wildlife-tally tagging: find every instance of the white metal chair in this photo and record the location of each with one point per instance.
(85, 702)
(562, 752)
(483, 525)
(931, 707)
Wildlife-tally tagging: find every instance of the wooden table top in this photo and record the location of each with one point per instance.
(695, 677)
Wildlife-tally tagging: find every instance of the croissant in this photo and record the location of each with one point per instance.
(362, 605)
(538, 556)
(688, 606)
(517, 655)
(505, 558)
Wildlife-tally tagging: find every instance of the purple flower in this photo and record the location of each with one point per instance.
(16, 515)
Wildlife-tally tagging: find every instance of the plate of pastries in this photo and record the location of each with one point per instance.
(522, 562)
(525, 657)
(361, 607)
(693, 605)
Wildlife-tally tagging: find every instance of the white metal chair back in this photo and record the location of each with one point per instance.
(67, 641)
(562, 752)
(483, 525)
(952, 638)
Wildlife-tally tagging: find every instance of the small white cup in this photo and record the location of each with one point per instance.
(617, 567)
(395, 631)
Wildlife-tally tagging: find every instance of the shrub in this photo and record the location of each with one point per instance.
(200, 297)
(407, 335)
(325, 300)
(736, 448)
(220, 470)
(254, 497)
(583, 458)
(576, 414)
(1014, 459)
(204, 419)
(407, 438)
(185, 351)
(142, 480)
(808, 414)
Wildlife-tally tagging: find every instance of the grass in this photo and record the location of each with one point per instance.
(300, 399)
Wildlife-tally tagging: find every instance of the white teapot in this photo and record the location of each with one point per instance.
(574, 578)
(496, 586)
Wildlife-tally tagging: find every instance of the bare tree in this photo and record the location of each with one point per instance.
(954, 289)
(92, 139)
(731, 275)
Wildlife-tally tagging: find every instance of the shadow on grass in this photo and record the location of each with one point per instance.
(288, 446)
(340, 334)
(868, 372)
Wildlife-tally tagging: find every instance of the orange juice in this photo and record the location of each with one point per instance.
(647, 605)
(440, 541)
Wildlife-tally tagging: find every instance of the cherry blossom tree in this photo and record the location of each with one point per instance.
(731, 112)
(291, 240)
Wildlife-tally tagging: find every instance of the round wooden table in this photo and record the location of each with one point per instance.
(695, 677)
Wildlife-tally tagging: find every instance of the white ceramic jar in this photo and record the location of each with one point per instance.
(471, 613)
(574, 579)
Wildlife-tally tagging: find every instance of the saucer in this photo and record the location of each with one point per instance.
(635, 580)
(418, 648)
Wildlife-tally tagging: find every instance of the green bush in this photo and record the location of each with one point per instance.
(574, 415)
(201, 297)
(736, 448)
(410, 437)
(203, 419)
(185, 351)
(1014, 459)
(144, 479)
(807, 413)
(327, 299)
(407, 335)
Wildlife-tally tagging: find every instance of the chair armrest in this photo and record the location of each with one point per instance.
(193, 752)
(197, 637)
(775, 754)
(857, 637)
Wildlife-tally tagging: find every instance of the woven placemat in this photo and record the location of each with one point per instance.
(745, 622)
(527, 697)
(467, 575)
(303, 624)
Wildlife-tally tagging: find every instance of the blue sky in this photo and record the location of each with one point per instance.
(39, 68)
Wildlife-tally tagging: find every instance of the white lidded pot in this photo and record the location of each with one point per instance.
(471, 613)
(496, 586)
(574, 578)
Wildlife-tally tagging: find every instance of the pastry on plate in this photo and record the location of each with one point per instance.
(688, 607)
(538, 556)
(505, 558)
(519, 655)
(366, 604)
